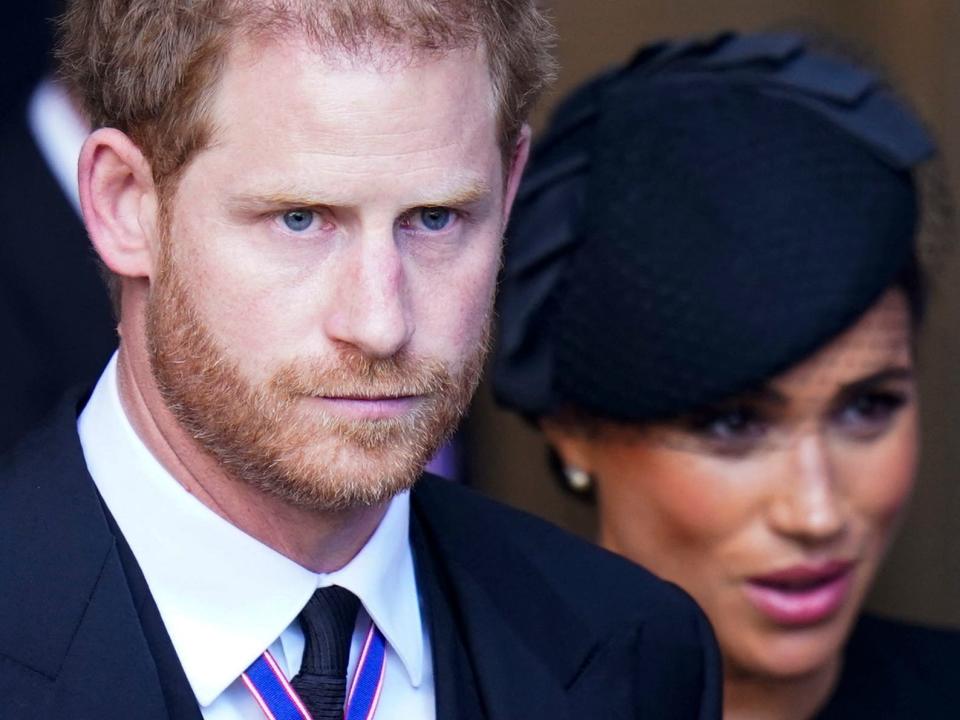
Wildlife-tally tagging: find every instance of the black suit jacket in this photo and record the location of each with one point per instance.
(55, 317)
(526, 621)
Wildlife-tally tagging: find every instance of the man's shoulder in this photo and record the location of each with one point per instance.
(599, 624)
(483, 531)
(69, 607)
(48, 446)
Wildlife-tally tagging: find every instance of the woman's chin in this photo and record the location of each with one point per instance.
(789, 654)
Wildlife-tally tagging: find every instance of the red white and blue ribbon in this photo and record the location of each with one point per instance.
(364, 695)
(278, 700)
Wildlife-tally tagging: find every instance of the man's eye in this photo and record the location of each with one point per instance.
(435, 218)
(298, 220)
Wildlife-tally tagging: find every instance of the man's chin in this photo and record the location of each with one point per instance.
(344, 480)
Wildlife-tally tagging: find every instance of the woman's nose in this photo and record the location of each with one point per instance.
(807, 504)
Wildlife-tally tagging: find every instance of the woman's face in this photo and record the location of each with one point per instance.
(773, 510)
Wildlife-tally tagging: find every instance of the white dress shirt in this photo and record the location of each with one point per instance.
(225, 597)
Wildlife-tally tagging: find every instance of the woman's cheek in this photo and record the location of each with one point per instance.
(881, 481)
(667, 504)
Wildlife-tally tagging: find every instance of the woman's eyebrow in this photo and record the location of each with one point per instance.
(881, 376)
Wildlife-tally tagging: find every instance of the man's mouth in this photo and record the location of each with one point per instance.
(361, 407)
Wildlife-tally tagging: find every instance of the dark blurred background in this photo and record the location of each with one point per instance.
(25, 36)
(915, 43)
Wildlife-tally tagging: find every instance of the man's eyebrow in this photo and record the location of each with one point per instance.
(251, 202)
(467, 193)
(457, 194)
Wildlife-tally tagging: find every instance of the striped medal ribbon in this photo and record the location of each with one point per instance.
(271, 689)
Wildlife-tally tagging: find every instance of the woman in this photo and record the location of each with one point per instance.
(708, 305)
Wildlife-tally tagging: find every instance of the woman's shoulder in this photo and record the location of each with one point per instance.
(895, 669)
(936, 649)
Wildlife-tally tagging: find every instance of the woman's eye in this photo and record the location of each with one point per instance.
(728, 431)
(737, 423)
(298, 220)
(871, 412)
(435, 218)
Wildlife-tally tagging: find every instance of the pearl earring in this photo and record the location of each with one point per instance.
(578, 480)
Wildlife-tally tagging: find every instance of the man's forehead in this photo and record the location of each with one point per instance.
(257, 66)
(289, 93)
(376, 55)
(292, 123)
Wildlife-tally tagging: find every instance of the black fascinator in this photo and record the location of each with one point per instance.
(699, 220)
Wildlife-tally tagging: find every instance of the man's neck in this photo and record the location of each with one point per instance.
(321, 542)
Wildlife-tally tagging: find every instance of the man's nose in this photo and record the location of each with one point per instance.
(370, 308)
(807, 505)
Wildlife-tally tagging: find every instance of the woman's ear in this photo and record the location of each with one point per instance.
(571, 446)
(119, 202)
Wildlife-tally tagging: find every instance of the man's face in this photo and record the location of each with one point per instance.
(321, 306)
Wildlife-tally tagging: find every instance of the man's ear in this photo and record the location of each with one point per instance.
(119, 202)
(518, 161)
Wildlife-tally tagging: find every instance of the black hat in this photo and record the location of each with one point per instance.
(699, 220)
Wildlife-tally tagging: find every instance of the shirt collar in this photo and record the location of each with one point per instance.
(223, 595)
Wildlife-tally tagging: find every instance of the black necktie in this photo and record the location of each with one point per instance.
(327, 622)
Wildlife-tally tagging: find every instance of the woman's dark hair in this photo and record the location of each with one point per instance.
(913, 282)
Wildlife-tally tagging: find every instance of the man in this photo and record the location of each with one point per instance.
(301, 204)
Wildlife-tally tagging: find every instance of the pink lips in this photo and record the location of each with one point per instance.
(368, 408)
(802, 594)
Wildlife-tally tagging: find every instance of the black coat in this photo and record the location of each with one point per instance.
(525, 620)
(897, 671)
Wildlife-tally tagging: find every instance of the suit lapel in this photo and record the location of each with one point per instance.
(455, 686)
(69, 632)
(516, 671)
(512, 681)
(180, 701)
